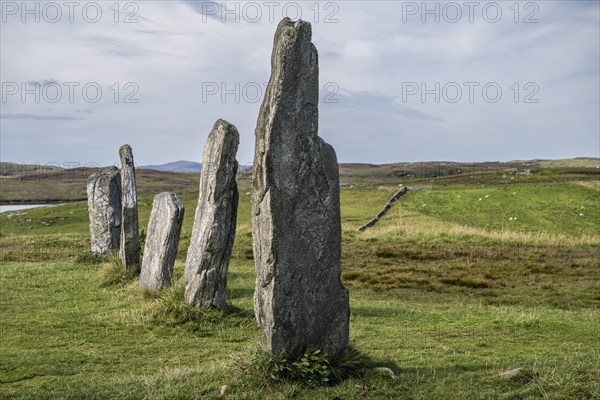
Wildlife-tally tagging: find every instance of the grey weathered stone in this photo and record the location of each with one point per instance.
(384, 210)
(162, 240)
(299, 300)
(130, 235)
(213, 232)
(104, 209)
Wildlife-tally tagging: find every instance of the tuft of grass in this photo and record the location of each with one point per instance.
(112, 273)
(313, 368)
(170, 308)
(87, 257)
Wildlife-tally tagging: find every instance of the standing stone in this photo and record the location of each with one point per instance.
(162, 240)
(299, 299)
(130, 236)
(213, 232)
(104, 209)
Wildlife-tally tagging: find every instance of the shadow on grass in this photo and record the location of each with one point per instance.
(246, 276)
(379, 311)
(234, 311)
(240, 293)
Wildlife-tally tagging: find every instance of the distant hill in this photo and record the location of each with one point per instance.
(176, 166)
(579, 162)
(33, 183)
(14, 169)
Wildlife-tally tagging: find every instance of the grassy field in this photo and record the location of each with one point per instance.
(551, 208)
(457, 298)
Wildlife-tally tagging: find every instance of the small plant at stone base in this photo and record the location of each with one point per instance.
(112, 272)
(312, 368)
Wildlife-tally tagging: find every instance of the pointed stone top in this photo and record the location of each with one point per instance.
(125, 148)
(170, 200)
(222, 132)
(126, 154)
(299, 25)
(291, 34)
(227, 126)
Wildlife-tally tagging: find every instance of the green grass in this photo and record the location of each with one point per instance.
(107, 343)
(564, 209)
(448, 296)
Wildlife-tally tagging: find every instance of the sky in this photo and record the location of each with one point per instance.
(401, 81)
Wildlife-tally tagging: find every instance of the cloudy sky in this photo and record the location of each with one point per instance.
(400, 81)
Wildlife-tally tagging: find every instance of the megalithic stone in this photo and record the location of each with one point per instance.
(299, 300)
(162, 241)
(104, 210)
(213, 232)
(130, 235)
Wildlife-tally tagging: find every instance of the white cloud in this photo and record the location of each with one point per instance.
(175, 51)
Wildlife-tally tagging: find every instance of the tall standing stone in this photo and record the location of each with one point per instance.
(104, 209)
(213, 232)
(130, 235)
(299, 300)
(162, 241)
